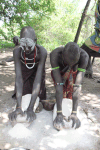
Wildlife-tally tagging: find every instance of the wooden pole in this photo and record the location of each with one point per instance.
(81, 21)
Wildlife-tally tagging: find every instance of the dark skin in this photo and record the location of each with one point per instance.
(27, 32)
(56, 60)
(16, 40)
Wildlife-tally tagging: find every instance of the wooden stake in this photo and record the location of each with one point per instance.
(81, 21)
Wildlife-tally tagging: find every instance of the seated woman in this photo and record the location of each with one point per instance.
(68, 67)
(29, 59)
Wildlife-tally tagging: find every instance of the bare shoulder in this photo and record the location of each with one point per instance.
(84, 57)
(17, 51)
(42, 50)
(56, 51)
(54, 56)
(16, 46)
(84, 54)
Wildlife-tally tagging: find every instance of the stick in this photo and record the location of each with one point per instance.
(81, 21)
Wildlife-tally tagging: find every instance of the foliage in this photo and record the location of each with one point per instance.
(55, 22)
(5, 44)
(19, 13)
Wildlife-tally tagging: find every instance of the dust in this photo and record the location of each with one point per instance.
(19, 131)
(44, 136)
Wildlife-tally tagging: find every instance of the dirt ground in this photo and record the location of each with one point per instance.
(89, 102)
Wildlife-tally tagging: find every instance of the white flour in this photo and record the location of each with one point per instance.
(25, 103)
(19, 131)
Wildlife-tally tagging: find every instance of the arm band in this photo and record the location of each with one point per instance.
(59, 111)
(55, 68)
(75, 112)
(77, 85)
(18, 107)
(80, 69)
(59, 84)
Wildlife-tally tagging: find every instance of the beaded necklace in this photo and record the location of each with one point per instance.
(24, 58)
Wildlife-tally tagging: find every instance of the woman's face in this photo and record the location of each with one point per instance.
(27, 49)
(27, 45)
(69, 61)
(71, 54)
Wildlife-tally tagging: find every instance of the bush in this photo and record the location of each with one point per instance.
(5, 44)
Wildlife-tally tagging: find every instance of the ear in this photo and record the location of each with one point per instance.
(13, 40)
(17, 41)
(35, 40)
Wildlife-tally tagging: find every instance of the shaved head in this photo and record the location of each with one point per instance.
(16, 40)
(71, 53)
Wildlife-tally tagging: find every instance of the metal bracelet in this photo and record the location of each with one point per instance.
(59, 83)
(59, 111)
(77, 85)
(75, 112)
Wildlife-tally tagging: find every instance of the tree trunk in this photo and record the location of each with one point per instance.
(81, 21)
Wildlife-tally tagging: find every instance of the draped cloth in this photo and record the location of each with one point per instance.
(93, 42)
(28, 80)
(68, 86)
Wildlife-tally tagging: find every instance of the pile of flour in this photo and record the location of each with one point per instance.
(19, 131)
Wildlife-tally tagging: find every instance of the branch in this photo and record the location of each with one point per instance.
(24, 19)
(3, 34)
(81, 21)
